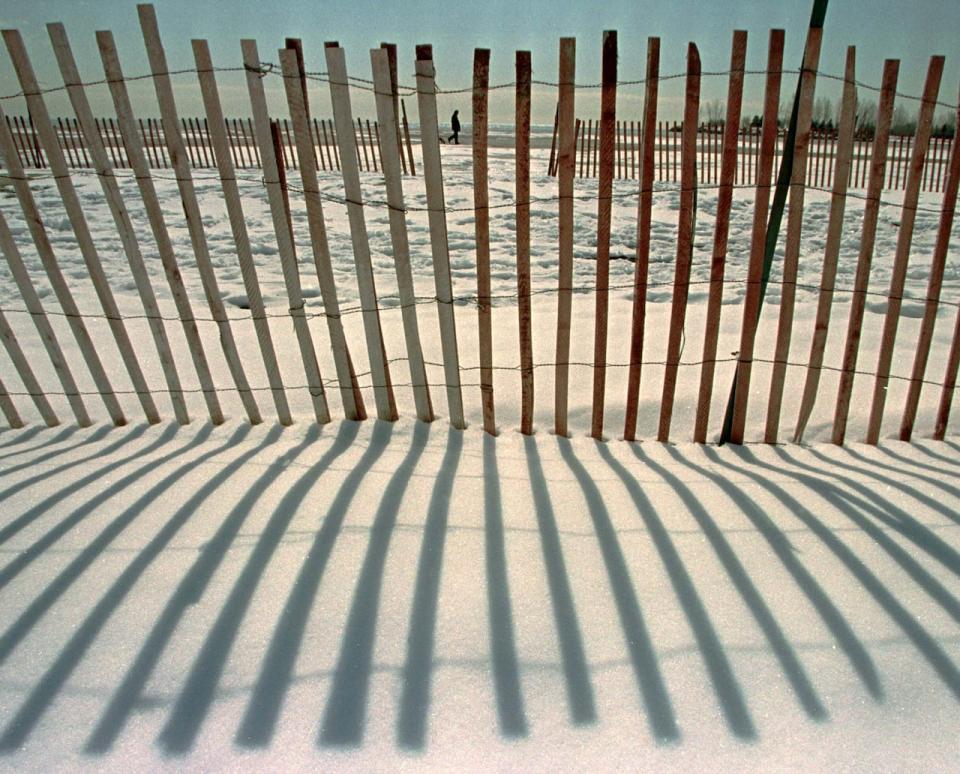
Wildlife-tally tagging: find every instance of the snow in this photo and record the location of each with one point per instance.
(379, 597)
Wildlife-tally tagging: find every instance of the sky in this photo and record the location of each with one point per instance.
(909, 31)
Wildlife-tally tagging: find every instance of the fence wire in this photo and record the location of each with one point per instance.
(268, 68)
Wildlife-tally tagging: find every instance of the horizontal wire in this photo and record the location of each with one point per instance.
(663, 188)
(334, 383)
(405, 90)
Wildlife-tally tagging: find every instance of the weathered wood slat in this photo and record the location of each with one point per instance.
(871, 211)
(901, 258)
(392, 176)
(791, 259)
(608, 140)
(433, 181)
(681, 281)
(481, 209)
(566, 159)
(648, 141)
(937, 266)
(831, 251)
(720, 234)
(522, 193)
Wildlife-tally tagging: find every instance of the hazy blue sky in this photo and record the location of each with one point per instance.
(910, 31)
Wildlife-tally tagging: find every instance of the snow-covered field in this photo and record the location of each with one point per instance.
(382, 596)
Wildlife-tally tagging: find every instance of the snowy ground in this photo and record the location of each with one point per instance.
(374, 596)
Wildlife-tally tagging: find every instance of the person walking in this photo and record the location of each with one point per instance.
(455, 125)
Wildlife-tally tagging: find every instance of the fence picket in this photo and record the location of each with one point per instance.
(878, 158)
(238, 227)
(566, 159)
(481, 208)
(141, 169)
(522, 194)
(392, 174)
(608, 124)
(648, 139)
(433, 181)
(117, 207)
(831, 251)
(937, 266)
(379, 364)
(901, 259)
(791, 259)
(752, 298)
(9, 410)
(25, 372)
(78, 222)
(721, 231)
(681, 282)
(191, 209)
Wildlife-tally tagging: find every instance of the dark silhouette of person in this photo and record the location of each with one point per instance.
(455, 125)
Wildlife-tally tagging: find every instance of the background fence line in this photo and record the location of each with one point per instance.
(698, 156)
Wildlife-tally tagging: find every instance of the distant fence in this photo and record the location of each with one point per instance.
(199, 145)
(799, 156)
(821, 164)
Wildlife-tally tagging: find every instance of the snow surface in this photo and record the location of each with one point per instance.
(374, 597)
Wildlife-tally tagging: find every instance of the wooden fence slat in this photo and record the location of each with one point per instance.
(392, 149)
(362, 143)
(522, 194)
(681, 282)
(871, 209)
(279, 212)
(140, 164)
(481, 209)
(25, 372)
(901, 259)
(350, 394)
(937, 266)
(231, 144)
(238, 227)
(78, 222)
(9, 410)
(334, 143)
(831, 251)
(566, 159)
(578, 132)
(121, 219)
(342, 113)
(124, 161)
(433, 182)
(648, 140)
(551, 165)
(14, 129)
(35, 146)
(244, 149)
(374, 145)
(791, 259)
(406, 133)
(608, 140)
(752, 298)
(721, 231)
(159, 148)
(61, 132)
(191, 209)
(391, 50)
(41, 240)
(289, 145)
